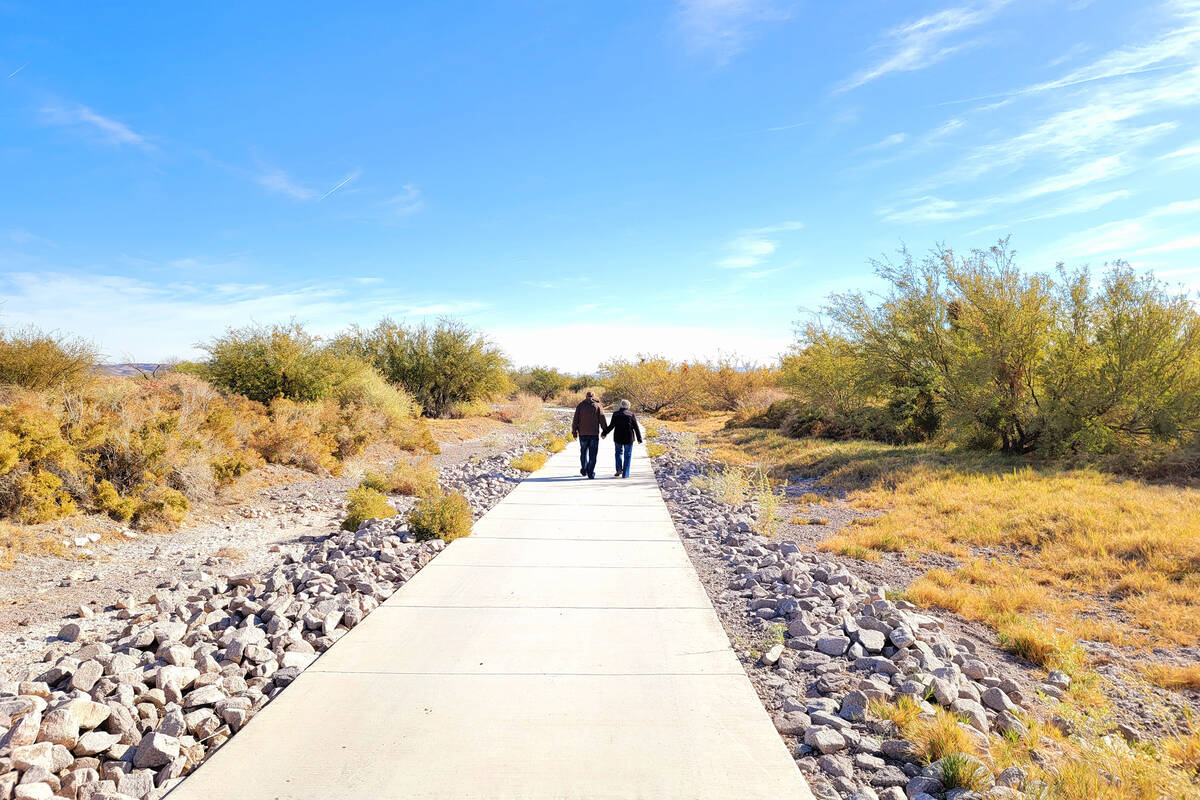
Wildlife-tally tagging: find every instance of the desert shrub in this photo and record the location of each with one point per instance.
(542, 382)
(268, 362)
(728, 382)
(525, 411)
(768, 503)
(961, 771)
(109, 502)
(290, 434)
(439, 366)
(415, 478)
(363, 504)
(730, 485)
(440, 516)
(529, 462)
(464, 409)
(654, 450)
(651, 384)
(160, 508)
(374, 480)
(41, 361)
(557, 444)
(651, 431)
(415, 436)
(228, 467)
(971, 349)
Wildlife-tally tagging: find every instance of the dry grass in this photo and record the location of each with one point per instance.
(529, 462)
(411, 477)
(1045, 556)
(18, 540)
(1173, 676)
(462, 430)
(234, 554)
(1063, 543)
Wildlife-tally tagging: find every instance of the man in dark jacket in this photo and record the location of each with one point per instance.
(586, 427)
(625, 425)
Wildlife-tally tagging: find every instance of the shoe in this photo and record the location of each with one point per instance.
(582, 471)
(616, 475)
(591, 476)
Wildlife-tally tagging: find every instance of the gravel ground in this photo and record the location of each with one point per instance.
(39, 592)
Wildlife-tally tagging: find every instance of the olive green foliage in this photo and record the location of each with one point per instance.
(678, 390)
(415, 478)
(440, 516)
(160, 509)
(543, 382)
(972, 349)
(108, 501)
(365, 503)
(268, 362)
(33, 359)
(439, 366)
(651, 384)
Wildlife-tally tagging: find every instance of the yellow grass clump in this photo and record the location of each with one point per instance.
(529, 462)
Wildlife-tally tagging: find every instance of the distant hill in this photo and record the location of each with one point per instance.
(130, 370)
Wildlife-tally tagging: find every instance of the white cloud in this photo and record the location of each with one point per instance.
(93, 124)
(172, 317)
(1122, 237)
(408, 201)
(887, 141)
(931, 209)
(722, 28)
(924, 42)
(279, 182)
(751, 247)
(1184, 243)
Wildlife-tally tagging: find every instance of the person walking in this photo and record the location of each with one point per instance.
(624, 426)
(586, 427)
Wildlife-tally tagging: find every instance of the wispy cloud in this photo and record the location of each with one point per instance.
(1132, 235)
(280, 182)
(408, 201)
(182, 312)
(94, 125)
(13, 74)
(923, 42)
(886, 142)
(932, 209)
(752, 247)
(721, 29)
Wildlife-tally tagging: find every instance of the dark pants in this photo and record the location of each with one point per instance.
(624, 454)
(589, 446)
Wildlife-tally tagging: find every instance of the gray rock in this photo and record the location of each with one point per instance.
(70, 632)
(824, 740)
(833, 645)
(995, 699)
(872, 641)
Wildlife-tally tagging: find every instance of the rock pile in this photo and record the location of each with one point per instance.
(128, 717)
(841, 645)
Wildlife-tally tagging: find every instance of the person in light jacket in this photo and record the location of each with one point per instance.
(624, 427)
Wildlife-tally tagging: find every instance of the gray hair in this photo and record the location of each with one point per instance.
(624, 404)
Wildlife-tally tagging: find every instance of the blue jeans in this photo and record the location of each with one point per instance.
(589, 446)
(624, 453)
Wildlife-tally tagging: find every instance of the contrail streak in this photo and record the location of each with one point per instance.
(349, 178)
(18, 69)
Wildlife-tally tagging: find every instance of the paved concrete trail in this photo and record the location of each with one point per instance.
(565, 650)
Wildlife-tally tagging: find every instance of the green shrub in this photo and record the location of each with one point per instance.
(363, 504)
(415, 436)
(440, 516)
(651, 383)
(108, 501)
(230, 466)
(439, 366)
(40, 361)
(268, 362)
(416, 478)
(160, 508)
(543, 382)
(375, 481)
(529, 462)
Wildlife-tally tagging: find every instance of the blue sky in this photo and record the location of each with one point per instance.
(578, 179)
